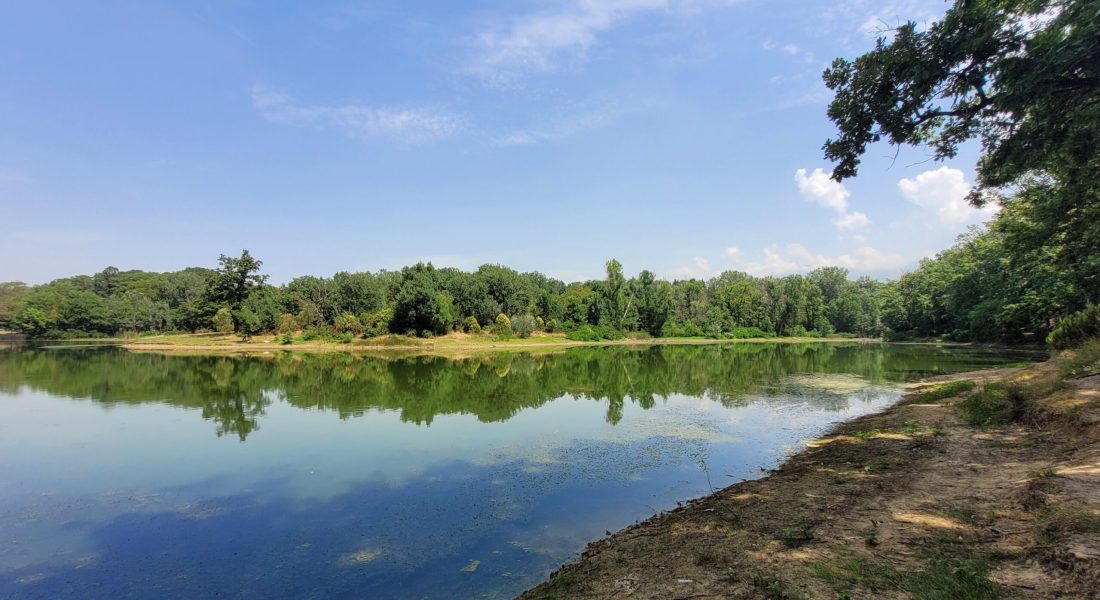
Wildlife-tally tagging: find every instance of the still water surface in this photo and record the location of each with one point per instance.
(289, 475)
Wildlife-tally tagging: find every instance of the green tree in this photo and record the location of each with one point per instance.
(1023, 78)
(617, 309)
(12, 294)
(236, 278)
(248, 323)
(419, 305)
(654, 302)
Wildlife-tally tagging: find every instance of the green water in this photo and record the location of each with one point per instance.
(289, 475)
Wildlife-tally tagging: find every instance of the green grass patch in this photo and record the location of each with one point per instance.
(946, 390)
(993, 404)
(797, 535)
(1058, 522)
(1080, 362)
(941, 579)
(952, 580)
(846, 574)
(910, 428)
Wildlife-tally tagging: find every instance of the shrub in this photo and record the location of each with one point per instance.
(502, 326)
(540, 324)
(749, 332)
(1081, 361)
(551, 325)
(1076, 328)
(523, 325)
(685, 329)
(994, 404)
(470, 325)
(584, 333)
(348, 323)
(223, 321)
(249, 323)
(288, 324)
(376, 322)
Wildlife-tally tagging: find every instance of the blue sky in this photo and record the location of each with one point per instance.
(682, 136)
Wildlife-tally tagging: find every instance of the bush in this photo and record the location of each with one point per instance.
(470, 325)
(223, 321)
(992, 405)
(348, 323)
(249, 323)
(685, 329)
(584, 333)
(523, 325)
(502, 326)
(376, 323)
(1081, 361)
(749, 332)
(551, 326)
(287, 326)
(1076, 328)
(589, 333)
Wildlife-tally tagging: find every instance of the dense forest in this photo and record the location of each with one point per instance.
(973, 291)
(424, 300)
(1022, 77)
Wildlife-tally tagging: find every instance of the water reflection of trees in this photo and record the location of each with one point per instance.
(234, 391)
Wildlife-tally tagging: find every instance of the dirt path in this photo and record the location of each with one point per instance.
(911, 502)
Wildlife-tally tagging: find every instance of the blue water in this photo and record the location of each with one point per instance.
(125, 475)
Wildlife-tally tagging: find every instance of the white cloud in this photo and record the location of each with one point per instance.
(410, 125)
(942, 193)
(821, 189)
(538, 42)
(792, 50)
(699, 268)
(796, 258)
(853, 220)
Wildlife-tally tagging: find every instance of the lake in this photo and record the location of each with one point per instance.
(337, 475)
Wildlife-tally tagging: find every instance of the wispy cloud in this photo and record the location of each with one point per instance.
(819, 188)
(539, 42)
(593, 113)
(791, 49)
(408, 125)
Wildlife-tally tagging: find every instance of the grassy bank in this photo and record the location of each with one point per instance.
(449, 344)
(981, 485)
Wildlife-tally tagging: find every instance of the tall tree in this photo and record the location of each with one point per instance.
(236, 278)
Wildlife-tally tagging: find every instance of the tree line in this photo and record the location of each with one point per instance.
(423, 300)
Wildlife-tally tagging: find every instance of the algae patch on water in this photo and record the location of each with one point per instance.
(361, 557)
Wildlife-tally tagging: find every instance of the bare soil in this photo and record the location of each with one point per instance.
(908, 503)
